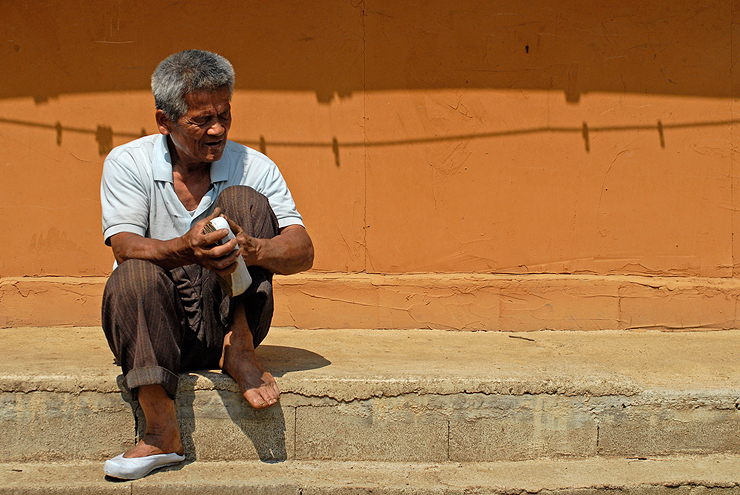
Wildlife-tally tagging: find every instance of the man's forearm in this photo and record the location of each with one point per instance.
(167, 254)
(289, 252)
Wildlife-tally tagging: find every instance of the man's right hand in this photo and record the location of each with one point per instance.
(203, 248)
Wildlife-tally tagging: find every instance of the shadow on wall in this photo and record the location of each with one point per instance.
(670, 47)
(104, 135)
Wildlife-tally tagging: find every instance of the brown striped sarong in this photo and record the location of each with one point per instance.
(160, 322)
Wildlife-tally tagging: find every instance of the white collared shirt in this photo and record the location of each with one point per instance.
(137, 193)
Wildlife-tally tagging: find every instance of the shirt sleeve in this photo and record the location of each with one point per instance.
(273, 186)
(124, 197)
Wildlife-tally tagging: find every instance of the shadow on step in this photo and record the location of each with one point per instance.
(279, 360)
(216, 423)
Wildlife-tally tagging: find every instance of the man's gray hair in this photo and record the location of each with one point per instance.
(187, 72)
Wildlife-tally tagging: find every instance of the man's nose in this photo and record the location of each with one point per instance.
(217, 128)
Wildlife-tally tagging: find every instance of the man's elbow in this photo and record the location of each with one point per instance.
(304, 260)
(303, 249)
(119, 247)
(308, 258)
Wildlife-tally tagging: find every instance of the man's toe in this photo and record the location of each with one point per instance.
(269, 395)
(255, 399)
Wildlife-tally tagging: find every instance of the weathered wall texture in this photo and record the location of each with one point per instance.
(554, 137)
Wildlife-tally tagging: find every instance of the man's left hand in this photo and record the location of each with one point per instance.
(248, 246)
(291, 251)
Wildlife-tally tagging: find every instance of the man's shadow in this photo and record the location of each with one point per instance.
(201, 412)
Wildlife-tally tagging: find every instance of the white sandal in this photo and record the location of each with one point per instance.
(132, 468)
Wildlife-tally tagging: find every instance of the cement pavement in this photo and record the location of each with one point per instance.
(411, 402)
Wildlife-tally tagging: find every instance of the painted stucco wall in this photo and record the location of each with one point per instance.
(477, 138)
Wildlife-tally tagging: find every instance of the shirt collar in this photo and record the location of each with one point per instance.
(220, 168)
(162, 163)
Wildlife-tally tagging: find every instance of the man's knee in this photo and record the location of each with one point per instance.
(250, 209)
(137, 270)
(241, 197)
(134, 278)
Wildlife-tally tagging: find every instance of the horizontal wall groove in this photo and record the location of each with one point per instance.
(453, 301)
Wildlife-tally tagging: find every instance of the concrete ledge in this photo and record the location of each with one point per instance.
(435, 301)
(656, 476)
(385, 395)
(216, 424)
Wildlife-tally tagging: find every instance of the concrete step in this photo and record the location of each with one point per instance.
(393, 396)
(685, 475)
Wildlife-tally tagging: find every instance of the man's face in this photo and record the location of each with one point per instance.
(199, 136)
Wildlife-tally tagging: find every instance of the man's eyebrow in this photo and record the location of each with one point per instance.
(203, 115)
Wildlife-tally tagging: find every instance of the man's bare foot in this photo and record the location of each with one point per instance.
(255, 384)
(239, 360)
(162, 435)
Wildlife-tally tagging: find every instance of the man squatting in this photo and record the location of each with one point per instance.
(164, 311)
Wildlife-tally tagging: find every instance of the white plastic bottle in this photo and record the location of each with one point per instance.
(239, 280)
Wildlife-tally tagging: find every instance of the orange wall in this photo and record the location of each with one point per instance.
(488, 137)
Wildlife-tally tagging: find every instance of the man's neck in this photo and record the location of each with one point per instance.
(187, 171)
(191, 184)
(192, 173)
(191, 181)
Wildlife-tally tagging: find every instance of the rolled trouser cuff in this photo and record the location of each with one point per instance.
(156, 375)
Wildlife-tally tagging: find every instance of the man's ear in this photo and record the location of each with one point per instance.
(163, 122)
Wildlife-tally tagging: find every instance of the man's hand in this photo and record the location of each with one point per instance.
(203, 248)
(291, 251)
(248, 246)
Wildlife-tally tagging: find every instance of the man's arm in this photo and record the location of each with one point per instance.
(193, 247)
(291, 251)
